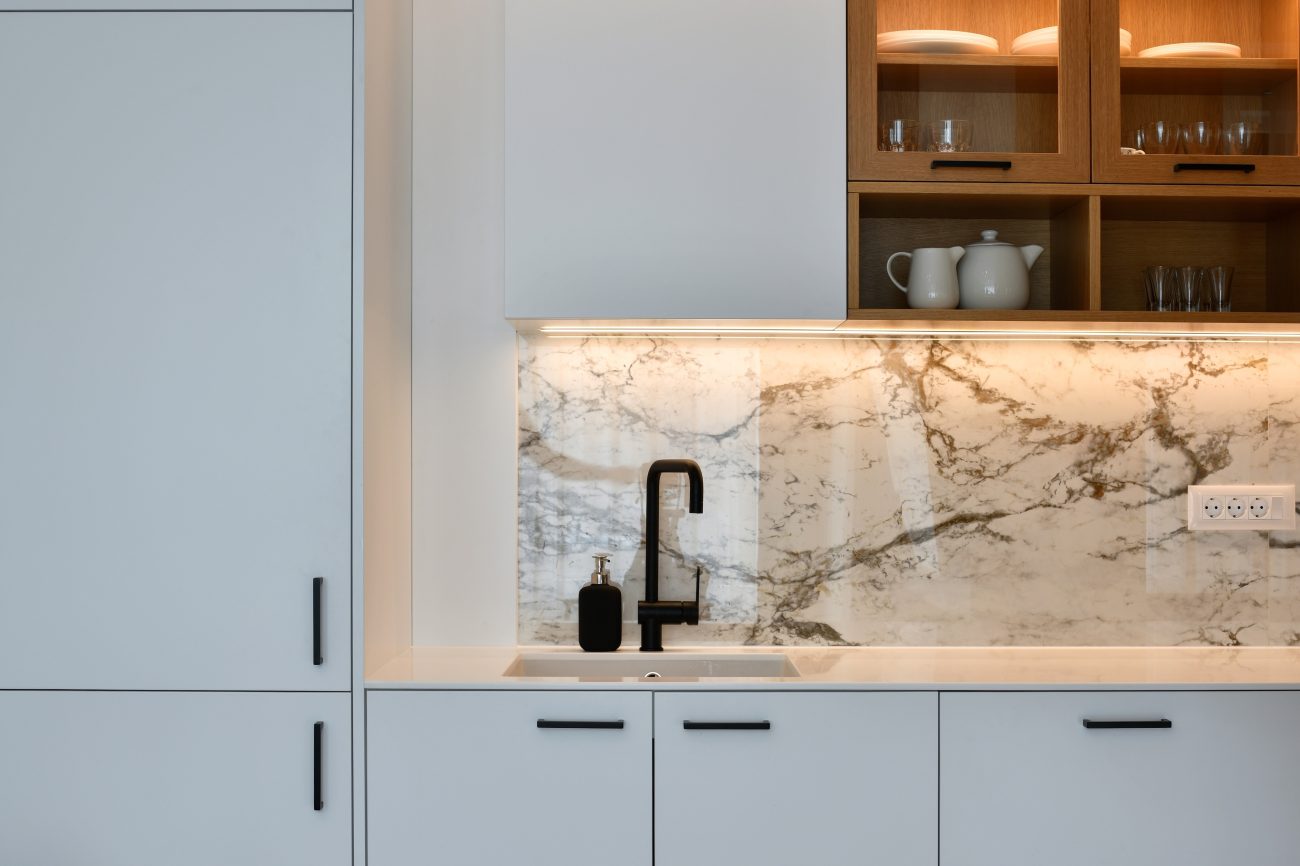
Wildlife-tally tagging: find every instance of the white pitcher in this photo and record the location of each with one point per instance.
(932, 284)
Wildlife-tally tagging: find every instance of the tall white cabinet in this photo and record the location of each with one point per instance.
(182, 437)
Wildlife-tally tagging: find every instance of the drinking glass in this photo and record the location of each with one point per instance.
(950, 136)
(900, 135)
(1190, 283)
(1160, 136)
(1134, 138)
(1161, 284)
(1199, 136)
(1243, 138)
(1216, 291)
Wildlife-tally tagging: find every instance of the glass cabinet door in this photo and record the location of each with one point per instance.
(1206, 93)
(979, 90)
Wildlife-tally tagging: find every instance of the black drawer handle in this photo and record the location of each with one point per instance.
(1004, 164)
(1243, 167)
(581, 725)
(318, 797)
(727, 726)
(317, 590)
(1127, 725)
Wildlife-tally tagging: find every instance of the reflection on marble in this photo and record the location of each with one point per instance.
(912, 493)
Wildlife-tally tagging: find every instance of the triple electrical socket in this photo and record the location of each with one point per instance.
(1250, 507)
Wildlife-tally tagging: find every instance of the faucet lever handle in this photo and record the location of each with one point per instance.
(697, 590)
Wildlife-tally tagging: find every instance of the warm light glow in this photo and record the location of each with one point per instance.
(913, 333)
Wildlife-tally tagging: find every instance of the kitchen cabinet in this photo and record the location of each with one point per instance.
(770, 778)
(1019, 117)
(830, 776)
(547, 778)
(674, 159)
(176, 350)
(1024, 782)
(1256, 90)
(156, 779)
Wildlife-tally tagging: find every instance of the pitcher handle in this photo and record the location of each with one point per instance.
(888, 270)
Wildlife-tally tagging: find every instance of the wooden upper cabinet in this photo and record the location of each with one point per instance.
(1027, 113)
(1198, 120)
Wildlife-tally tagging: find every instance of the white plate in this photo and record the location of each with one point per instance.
(1193, 49)
(936, 42)
(1043, 41)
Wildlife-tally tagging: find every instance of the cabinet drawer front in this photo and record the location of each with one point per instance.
(773, 778)
(474, 777)
(1194, 778)
(160, 779)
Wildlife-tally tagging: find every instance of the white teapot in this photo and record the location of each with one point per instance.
(994, 275)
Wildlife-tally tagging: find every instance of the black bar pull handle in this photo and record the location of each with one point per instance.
(581, 725)
(1004, 164)
(317, 590)
(1243, 167)
(1131, 724)
(727, 726)
(318, 737)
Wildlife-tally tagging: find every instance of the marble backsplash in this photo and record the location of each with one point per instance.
(862, 491)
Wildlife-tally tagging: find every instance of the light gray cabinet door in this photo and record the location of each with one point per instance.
(175, 349)
(470, 777)
(161, 779)
(836, 778)
(675, 159)
(1025, 783)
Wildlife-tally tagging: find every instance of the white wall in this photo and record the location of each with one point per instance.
(463, 381)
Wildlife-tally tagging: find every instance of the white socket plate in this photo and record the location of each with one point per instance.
(1279, 499)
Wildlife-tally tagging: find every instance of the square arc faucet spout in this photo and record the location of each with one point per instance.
(652, 614)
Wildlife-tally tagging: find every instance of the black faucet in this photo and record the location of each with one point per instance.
(652, 613)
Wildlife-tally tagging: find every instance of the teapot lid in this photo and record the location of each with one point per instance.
(990, 239)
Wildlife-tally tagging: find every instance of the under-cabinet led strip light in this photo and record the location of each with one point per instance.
(912, 333)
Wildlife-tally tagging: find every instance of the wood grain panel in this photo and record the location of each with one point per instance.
(1129, 246)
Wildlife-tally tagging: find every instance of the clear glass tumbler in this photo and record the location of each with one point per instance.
(1243, 138)
(901, 135)
(1200, 136)
(950, 136)
(1161, 283)
(1160, 136)
(1216, 291)
(1191, 281)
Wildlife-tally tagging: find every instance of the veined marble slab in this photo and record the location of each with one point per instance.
(912, 493)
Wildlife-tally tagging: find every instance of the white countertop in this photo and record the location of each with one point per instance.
(886, 668)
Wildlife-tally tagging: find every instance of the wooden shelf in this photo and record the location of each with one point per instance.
(967, 73)
(1179, 75)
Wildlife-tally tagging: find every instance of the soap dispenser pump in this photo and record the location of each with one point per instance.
(600, 611)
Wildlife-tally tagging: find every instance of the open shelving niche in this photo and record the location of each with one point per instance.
(1097, 240)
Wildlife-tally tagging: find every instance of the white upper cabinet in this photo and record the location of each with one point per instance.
(175, 349)
(675, 159)
(171, 5)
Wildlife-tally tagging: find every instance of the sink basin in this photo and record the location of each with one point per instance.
(637, 665)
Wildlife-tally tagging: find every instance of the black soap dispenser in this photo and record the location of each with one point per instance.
(600, 611)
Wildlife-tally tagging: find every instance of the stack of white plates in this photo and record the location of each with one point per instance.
(1193, 49)
(936, 42)
(1045, 41)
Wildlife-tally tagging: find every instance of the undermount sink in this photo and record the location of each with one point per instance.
(651, 665)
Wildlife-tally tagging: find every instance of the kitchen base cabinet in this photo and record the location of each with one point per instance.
(769, 779)
(161, 779)
(1026, 783)
(536, 778)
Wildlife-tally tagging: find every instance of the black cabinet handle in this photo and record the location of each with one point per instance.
(318, 735)
(1004, 164)
(1127, 725)
(580, 725)
(727, 726)
(317, 589)
(1243, 167)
